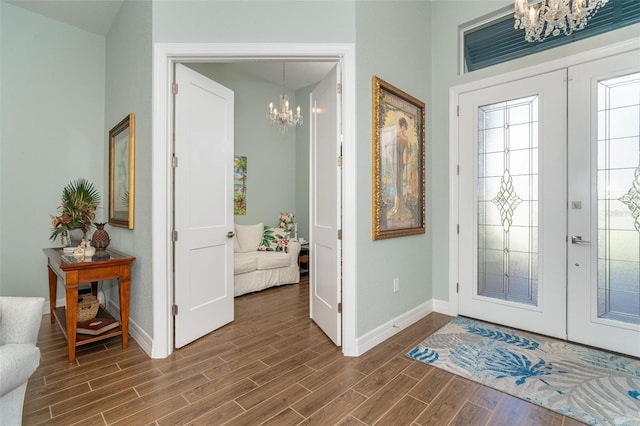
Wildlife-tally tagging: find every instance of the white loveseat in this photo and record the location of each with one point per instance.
(263, 258)
(20, 319)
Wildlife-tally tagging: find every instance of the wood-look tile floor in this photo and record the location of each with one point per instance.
(271, 366)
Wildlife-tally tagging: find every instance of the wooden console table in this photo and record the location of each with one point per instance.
(74, 272)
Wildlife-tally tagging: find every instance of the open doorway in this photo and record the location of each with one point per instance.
(219, 111)
(276, 163)
(165, 57)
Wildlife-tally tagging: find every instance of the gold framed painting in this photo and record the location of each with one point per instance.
(398, 162)
(121, 172)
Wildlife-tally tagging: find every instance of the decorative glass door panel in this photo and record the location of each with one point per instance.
(512, 203)
(507, 197)
(604, 181)
(619, 198)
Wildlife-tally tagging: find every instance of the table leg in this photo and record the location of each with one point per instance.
(71, 286)
(53, 288)
(125, 294)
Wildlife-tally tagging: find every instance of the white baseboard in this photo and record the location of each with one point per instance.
(387, 330)
(441, 306)
(135, 331)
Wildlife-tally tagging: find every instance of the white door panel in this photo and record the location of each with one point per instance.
(325, 215)
(604, 209)
(203, 282)
(512, 204)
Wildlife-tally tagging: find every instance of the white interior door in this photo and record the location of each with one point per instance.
(604, 208)
(512, 251)
(203, 206)
(325, 216)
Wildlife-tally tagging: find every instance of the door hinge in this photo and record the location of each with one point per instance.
(174, 310)
(458, 169)
(339, 234)
(174, 235)
(339, 88)
(340, 161)
(458, 228)
(174, 162)
(458, 110)
(174, 88)
(340, 307)
(457, 287)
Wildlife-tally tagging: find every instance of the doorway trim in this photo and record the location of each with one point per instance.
(454, 93)
(165, 55)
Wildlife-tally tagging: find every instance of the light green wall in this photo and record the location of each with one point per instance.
(52, 114)
(271, 165)
(446, 17)
(220, 21)
(393, 43)
(129, 89)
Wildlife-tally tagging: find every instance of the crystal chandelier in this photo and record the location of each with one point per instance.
(285, 118)
(551, 17)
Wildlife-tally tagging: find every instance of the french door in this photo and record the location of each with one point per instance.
(203, 265)
(604, 204)
(550, 203)
(512, 204)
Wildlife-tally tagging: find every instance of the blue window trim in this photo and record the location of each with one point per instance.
(499, 42)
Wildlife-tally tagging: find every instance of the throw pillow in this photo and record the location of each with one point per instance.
(274, 239)
(249, 237)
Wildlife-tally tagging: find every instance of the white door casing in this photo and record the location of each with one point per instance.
(529, 256)
(203, 280)
(165, 56)
(325, 212)
(604, 143)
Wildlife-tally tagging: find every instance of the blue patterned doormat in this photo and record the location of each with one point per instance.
(589, 385)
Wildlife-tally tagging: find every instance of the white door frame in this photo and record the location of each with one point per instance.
(165, 55)
(454, 93)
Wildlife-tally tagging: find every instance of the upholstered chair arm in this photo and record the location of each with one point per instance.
(20, 319)
(294, 251)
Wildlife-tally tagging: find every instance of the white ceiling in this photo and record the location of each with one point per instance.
(96, 16)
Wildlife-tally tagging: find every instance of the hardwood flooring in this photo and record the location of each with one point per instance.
(271, 366)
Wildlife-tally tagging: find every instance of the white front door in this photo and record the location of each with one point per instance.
(512, 251)
(604, 203)
(325, 213)
(203, 206)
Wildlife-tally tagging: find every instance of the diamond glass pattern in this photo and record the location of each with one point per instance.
(508, 200)
(618, 196)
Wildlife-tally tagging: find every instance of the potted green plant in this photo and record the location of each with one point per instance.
(79, 202)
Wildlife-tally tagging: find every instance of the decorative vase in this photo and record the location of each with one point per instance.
(100, 239)
(75, 236)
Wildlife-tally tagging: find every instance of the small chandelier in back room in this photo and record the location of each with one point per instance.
(551, 17)
(285, 118)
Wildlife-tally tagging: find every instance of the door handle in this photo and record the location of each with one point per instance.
(231, 234)
(577, 239)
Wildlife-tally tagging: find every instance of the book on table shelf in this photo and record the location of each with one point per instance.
(97, 326)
